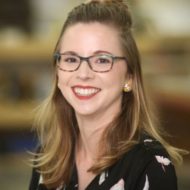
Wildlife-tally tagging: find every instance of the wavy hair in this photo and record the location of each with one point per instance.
(56, 122)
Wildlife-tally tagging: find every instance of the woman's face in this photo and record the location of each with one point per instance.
(91, 93)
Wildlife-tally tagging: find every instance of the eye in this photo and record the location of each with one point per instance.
(104, 59)
(70, 59)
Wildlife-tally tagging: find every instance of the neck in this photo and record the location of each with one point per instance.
(89, 138)
(91, 128)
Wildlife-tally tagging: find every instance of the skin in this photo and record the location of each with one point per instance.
(94, 113)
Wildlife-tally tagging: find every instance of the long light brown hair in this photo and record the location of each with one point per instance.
(57, 125)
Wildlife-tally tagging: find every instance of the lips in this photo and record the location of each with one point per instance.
(85, 92)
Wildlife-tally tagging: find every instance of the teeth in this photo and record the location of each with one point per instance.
(85, 92)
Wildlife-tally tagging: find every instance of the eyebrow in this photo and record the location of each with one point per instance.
(102, 51)
(69, 52)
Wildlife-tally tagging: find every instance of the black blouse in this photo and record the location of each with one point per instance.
(146, 166)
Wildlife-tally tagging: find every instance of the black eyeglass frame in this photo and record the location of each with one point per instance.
(58, 55)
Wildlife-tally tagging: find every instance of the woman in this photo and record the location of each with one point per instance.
(95, 128)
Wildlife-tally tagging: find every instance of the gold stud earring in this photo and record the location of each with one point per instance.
(126, 88)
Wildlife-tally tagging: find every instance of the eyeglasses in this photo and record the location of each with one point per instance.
(98, 63)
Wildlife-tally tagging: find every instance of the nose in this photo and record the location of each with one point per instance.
(84, 71)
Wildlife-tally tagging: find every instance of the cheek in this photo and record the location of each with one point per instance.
(115, 83)
(64, 83)
(61, 82)
(119, 78)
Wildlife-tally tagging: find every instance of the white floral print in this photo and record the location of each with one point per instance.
(60, 187)
(119, 185)
(41, 180)
(146, 185)
(163, 161)
(148, 140)
(103, 177)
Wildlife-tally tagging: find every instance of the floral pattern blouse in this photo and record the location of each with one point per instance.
(146, 166)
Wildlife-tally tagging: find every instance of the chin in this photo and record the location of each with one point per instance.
(85, 112)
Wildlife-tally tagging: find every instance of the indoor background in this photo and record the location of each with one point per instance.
(28, 33)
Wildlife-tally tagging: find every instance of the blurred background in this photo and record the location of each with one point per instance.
(28, 33)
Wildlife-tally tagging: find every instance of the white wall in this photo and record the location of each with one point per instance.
(170, 17)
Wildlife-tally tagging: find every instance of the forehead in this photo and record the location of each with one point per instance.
(91, 36)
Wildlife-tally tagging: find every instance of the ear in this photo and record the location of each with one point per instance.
(128, 83)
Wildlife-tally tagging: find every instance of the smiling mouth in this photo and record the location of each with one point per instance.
(85, 91)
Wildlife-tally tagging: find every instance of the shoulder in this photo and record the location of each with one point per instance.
(156, 153)
(145, 151)
(151, 166)
(146, 166)
(159, 173)
(152, 147)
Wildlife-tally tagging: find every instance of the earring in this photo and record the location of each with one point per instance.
(126, 88)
